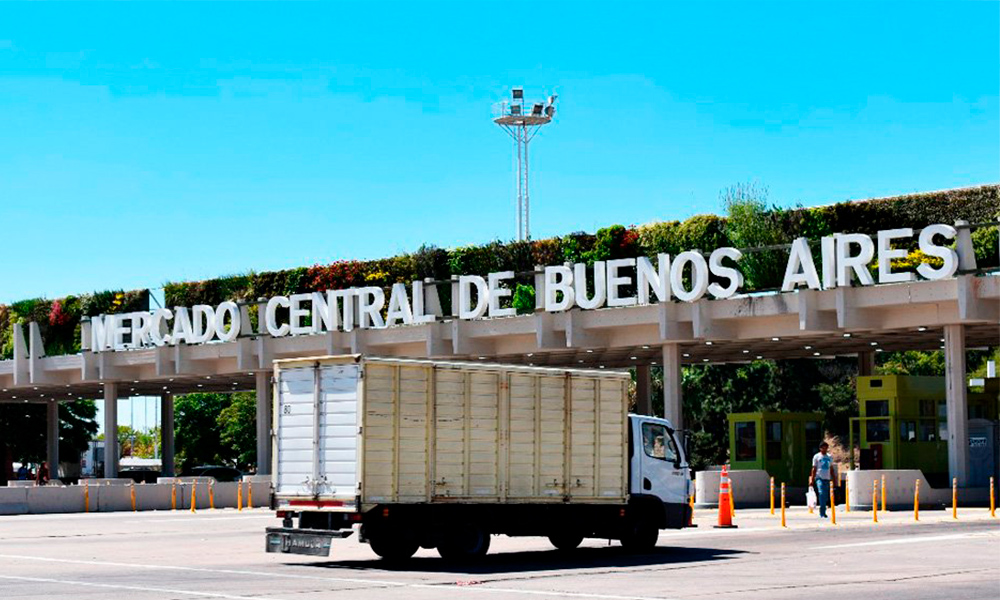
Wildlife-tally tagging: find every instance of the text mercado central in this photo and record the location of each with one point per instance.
(844, 257)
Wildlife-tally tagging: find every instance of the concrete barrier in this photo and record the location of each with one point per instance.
(899, 486)
(13, 500)
(116, 495)
(750, 488)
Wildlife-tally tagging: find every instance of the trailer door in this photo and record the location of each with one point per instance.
(317, 432)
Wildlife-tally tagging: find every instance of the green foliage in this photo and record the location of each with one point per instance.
(524, 299)
(751, 224)
(613, 242)
(910, 362)
(216, 429)
(238, 425)
(712, 392)
(137, 442)
(197, 433)
(23, 429)
(986, 242)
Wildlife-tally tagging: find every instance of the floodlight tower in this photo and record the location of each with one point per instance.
(522, 124)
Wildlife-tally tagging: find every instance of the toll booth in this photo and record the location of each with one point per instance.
(780, 443)
(903, 424)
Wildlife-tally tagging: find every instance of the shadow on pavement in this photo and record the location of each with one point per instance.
(540, 560)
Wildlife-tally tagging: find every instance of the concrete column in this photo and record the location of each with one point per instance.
(643, 406)
(111, 430)
(263, 423)
(957, 405)
(672, 402)
(52, 439)
(167, 434)
(866, 364)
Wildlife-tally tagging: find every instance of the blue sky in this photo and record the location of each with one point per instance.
(146, 143)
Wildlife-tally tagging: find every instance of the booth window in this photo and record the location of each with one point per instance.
(746, 441)
(877, 408)
(877, 431)
(907, 431)
(813, 435)
(773, 440)
(927, 433)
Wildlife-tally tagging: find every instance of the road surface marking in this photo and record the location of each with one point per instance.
(906, 540)
(135, 588)
(374, 582)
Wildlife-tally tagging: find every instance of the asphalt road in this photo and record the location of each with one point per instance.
(220, 554)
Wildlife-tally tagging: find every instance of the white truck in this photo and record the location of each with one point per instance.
(434, 454)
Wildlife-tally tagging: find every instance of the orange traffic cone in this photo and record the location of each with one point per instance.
(725, 500)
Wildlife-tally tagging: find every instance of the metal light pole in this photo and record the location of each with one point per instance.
(522, 124)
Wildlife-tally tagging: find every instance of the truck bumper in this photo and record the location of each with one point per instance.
(312, 542)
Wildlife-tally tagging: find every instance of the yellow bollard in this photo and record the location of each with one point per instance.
(772, 496)
(173, 496)
(691, 504)
(249, 495)
(954, 498)
(874, 501)
(833, 507)
(86, 497)
(132, 494)
(211, 495)
(993, 501)
(847, 497)
(194, 501)
(732, 501)
(884, 509)
(916, 500)
(783, 505)
(239, 496)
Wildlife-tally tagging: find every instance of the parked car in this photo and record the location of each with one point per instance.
(219, 472)
(140, 474)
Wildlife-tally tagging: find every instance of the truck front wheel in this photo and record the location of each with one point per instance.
(640, 536)
(464, 542)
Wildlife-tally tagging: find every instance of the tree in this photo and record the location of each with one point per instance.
(238, 426)
(197, 433)
(23, 429)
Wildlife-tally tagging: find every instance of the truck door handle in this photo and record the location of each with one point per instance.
(646, 485)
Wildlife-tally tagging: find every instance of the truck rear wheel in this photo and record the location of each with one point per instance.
(566, 541)
(393, 544)
(464, 542)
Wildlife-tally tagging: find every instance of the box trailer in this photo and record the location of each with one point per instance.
(435, 454)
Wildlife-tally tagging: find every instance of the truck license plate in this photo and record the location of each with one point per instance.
(293, 542)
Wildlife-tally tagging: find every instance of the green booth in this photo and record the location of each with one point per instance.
(780, 443)
(904, 423)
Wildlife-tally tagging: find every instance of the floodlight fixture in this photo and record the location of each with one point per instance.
(522, 127)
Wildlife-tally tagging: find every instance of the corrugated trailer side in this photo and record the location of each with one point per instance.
(458, 433)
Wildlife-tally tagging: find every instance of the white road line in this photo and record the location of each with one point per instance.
(102, 563)
(135, 588)
(442, 587)
(906, 540)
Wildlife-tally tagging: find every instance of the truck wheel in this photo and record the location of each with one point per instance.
(640, 537)
(566, 541)
(393, 544)
(465, 542)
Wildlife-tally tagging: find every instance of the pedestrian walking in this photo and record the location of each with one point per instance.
(42, 477)
(821, 476)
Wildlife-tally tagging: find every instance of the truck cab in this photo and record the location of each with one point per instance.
(659, 474)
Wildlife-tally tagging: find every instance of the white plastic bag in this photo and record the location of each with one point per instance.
(811, 497)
